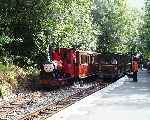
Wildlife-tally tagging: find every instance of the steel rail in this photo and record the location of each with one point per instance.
(51, 109)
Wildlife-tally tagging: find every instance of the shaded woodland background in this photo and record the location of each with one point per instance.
(27, 27)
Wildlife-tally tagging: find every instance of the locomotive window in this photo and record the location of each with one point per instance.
(65, 56)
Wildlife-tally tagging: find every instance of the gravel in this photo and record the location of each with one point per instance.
(34, 100)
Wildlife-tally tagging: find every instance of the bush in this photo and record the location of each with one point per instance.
(5, 89)
(13, 77)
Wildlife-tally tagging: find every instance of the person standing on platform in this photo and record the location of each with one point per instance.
(135, 68)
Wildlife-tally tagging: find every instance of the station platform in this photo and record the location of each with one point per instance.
(122, 100)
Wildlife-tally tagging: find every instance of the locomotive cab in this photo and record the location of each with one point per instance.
(60, 71)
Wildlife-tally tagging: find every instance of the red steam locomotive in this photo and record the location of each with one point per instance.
(69, 65)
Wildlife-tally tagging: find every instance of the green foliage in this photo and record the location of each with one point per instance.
(109, 16)
(15, 76)
(8, 74)
(36, 23)
(118, 25)
(5, 40)
(5, 89)
(145, 36)
(3, 68)
(33, 25)
(9, 78)
(69, 26)
(132, 29)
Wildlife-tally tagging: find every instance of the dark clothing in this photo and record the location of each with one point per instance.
(135, 68)
(134, 76)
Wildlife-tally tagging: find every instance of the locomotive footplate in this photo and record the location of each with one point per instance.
(56, 82)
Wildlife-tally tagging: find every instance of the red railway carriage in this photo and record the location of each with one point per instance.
(86, 64)
(68, 64)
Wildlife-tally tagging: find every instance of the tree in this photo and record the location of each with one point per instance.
(145, 36)
(118, 25)
(35, 24)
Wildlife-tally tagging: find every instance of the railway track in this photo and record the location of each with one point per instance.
(22, 107)
(51, 109)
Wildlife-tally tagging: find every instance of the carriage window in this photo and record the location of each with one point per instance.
(92, 60)
(88, 59)
(83, 59)
(96, 59)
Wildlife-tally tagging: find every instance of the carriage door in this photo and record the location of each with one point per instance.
(83, 66)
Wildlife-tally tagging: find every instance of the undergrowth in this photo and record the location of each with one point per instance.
(13, 77)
